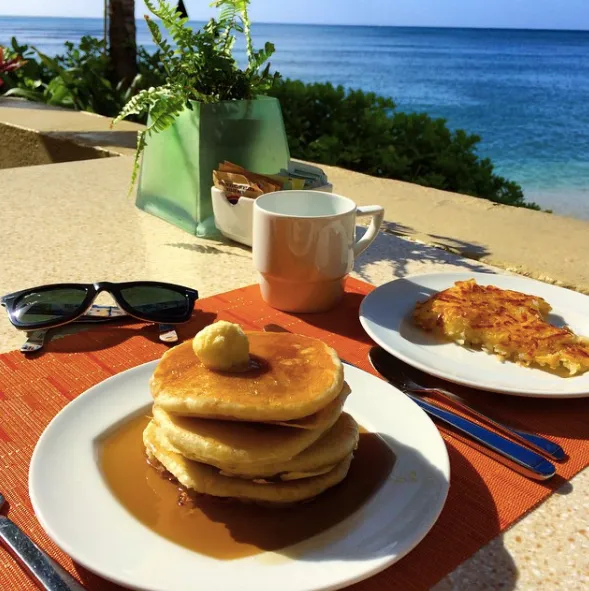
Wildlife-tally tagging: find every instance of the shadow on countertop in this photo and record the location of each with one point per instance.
(396, 247)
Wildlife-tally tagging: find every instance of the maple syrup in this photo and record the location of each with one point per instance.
(226, 528)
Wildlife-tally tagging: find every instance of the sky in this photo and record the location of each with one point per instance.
(527, 14)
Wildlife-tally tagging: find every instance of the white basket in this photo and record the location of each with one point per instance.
(235, 221)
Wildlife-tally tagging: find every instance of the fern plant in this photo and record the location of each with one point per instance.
(199, 66)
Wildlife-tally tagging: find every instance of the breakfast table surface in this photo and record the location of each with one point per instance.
(81, 238)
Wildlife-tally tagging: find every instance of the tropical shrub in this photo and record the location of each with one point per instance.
(362, 131)
(30, 74)
(80, 78)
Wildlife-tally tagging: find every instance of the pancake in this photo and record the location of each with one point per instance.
(317, 420)
(206, 479)
(231, 444)
(290, 377)
(330, 449)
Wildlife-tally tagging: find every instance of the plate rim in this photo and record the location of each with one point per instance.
(449, 377)
(63, 544)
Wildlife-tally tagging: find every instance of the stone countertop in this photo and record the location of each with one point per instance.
(548, 247)
(74, 222)
(537, 244)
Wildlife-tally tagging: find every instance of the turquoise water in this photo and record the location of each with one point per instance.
(526, 93)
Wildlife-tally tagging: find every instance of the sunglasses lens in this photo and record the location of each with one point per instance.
(157, 303)
(46, 306)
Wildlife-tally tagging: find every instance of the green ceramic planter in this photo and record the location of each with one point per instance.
(177, 165)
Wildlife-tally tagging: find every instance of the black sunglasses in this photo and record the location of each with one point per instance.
(50, 306)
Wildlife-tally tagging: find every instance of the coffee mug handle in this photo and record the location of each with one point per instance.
(377, 214)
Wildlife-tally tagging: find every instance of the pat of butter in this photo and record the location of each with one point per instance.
(222, 346)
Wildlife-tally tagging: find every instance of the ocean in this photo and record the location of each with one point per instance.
(524, 92)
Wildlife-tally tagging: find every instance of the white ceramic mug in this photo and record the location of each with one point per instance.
(304, 246)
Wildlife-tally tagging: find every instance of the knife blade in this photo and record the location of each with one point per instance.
(512, 454)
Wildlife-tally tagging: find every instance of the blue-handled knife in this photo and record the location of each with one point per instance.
(512, 454)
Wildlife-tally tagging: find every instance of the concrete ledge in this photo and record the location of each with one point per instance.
(78, 127)
(24, 147)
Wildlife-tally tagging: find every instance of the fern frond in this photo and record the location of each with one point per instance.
(175, 24)
(233, 16)
(163, 11)
(246, 28)
(162, 44)
(164, 104)
(163, 113)
(227, 21)
(141, 143)
(238, 5)
(228, 14)
(140, 103)
(150, 6)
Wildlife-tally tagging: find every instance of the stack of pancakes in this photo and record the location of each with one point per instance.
(274, 433)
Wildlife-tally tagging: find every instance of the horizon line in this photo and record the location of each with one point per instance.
(475, 27)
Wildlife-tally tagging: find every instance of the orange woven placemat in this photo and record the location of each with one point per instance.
(484, 499)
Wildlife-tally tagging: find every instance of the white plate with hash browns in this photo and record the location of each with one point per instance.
(387, 316)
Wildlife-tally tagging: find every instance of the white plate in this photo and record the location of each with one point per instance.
(76, 508)
(386, 312)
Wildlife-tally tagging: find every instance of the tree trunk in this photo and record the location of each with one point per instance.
(122, 43)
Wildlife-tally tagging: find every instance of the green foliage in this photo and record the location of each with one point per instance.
(164, 105)
(199, 67)
(362, 131)
(150, 68)
(30, 76)
(353, 129)
(80, 78)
